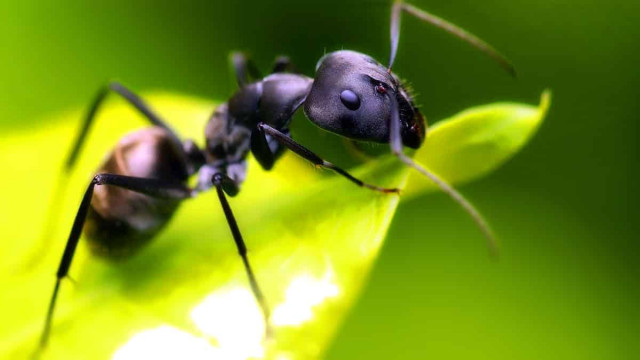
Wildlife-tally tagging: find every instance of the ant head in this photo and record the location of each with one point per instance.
(350, 96)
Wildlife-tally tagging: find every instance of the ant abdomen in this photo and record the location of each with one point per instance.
(120, 221)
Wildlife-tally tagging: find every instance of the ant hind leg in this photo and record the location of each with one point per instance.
(132, 99)
(152, 187)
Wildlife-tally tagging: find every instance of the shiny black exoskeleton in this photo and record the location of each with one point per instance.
(351, 95)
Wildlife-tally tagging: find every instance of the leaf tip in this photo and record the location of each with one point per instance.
(545, 102)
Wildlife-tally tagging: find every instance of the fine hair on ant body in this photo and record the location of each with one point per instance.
(144, 179)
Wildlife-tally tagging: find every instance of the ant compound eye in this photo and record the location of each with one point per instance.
(350, 99)
(380, 89)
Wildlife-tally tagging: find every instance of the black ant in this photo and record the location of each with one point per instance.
(352, 95)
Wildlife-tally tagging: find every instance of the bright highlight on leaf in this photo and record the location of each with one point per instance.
(233, 318)
(312, 240)
(303, 294)
(167, 343)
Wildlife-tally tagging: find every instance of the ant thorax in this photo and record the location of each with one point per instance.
(227, 147)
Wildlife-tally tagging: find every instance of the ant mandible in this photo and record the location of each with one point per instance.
(352, 95)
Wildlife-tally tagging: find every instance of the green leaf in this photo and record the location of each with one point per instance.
(312, 237)
(477, 141)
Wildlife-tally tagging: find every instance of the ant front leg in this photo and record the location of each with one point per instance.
(152, 187)
(260, 150)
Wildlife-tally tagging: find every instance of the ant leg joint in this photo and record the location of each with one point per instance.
(98, 179)
(397, 152)
(217, 179)
(225, 183)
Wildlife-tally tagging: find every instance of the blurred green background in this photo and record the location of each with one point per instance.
(565, 208)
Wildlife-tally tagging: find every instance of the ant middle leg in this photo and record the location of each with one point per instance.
(260, 149)
(224, 184)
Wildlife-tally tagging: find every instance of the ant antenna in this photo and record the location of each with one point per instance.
(396, 149)
(460, 199)
(455, 30)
